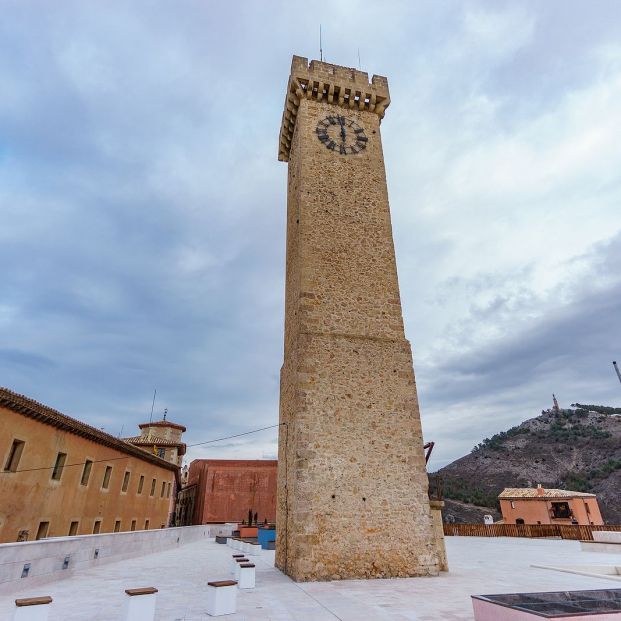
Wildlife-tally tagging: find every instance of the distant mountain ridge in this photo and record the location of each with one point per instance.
(578, 449)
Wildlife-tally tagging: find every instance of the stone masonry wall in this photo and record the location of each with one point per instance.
(352, 498)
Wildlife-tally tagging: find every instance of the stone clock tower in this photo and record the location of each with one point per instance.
(352, 484)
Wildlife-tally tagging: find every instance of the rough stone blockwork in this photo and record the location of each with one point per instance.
(352, 489)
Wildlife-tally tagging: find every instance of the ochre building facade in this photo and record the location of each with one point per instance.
(539, 505)
(63, 477)
(352, 489)
(225, 490)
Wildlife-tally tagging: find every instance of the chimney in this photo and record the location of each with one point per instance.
(540, 490)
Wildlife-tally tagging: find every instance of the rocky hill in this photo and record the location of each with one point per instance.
(577, 449)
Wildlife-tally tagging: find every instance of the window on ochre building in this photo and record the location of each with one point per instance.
(57, 472)
(125, 482)
(152, 488)
(42, 530)
(86, 472)
(96, 527)
(163, 489)
(73, 529)
(146, 524)
(140, 483)
(561, 510)
(15, 454)
(117, 526)
(161, 453)
(168, 492)
(133, 526)
(106, 479)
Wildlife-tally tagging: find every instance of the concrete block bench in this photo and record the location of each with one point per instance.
(254, 549)
(238, 562)
(246, 576)
(234, 562)
(32, 609)
(140, 604)
(221, 598)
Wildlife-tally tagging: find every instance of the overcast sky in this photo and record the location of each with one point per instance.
(142, 227)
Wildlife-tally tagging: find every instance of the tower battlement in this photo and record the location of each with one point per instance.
(321, 81)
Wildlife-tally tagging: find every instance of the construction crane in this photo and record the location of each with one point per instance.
(614, 364)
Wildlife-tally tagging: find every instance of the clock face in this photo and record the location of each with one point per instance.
(341, 135)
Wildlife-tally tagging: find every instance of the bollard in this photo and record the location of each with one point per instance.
(221, 598)
(255, 549)
(140, 604)
(32, 609)
(234, 562)
(238, 562)
(246, 576)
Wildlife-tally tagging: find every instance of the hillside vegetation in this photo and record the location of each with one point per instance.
(577, 449)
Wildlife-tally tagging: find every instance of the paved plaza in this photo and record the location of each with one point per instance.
(478, 565)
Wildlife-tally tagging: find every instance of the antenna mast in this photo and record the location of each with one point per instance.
(152, 406)
(320, 48)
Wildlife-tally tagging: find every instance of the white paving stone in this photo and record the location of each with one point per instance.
(478, 565)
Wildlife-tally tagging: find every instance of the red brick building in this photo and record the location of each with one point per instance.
(224, 490)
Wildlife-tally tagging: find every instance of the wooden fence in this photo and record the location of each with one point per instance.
(564, 531)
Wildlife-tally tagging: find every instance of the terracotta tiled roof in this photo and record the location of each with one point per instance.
(157, 441)
(531, 492)
(162, 423)
(33, 409)
(151, 440)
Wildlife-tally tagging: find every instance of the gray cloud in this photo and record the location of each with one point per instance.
(142, 236)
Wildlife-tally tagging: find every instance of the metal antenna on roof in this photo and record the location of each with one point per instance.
(152, 406)
(320, 48)
(359, 67)
(165, 412)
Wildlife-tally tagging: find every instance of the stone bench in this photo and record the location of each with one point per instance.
(234, 562)
(140, 604)
(238, 562)
(254, 549)
(246, 576)
(221, 598)
(32, 609)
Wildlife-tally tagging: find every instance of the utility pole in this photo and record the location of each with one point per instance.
(614, 364)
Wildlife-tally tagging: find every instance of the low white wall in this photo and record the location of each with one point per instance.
(47, 556)
(608, 536)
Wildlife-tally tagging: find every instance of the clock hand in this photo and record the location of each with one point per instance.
(341, 122)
